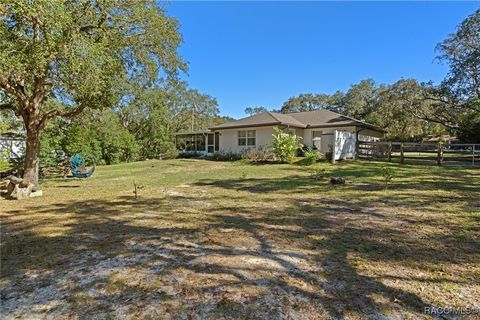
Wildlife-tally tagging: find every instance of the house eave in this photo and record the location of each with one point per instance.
(246, 126)
(259, 125)
(361, 125)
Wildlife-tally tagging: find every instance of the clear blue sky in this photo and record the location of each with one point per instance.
(262, 53)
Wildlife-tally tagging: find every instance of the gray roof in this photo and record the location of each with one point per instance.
(310, 119)
(262, 119)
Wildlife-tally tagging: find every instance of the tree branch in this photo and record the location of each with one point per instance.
(7, 106)
(57, 113)
(36, 31)
(39, 89)
(13, 89)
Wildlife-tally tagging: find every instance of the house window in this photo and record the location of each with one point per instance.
(217, 141)
(246, 138)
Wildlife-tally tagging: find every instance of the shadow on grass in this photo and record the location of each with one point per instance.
(295, 183)
(412, 186)
(157, 230)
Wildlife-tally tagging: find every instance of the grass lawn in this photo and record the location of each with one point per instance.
(234, 240)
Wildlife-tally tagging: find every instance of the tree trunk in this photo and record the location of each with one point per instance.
(32, 156)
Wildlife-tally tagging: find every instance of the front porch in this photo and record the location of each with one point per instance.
(203, 142)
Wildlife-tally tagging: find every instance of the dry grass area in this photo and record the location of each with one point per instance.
(222, 240)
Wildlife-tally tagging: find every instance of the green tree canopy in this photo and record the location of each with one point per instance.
(359, 99)
(191, 109)
(307, 102)
(460, 90)
(391, 109)
(455, 103)
(461, 51)
(58, 58)
(251, 111)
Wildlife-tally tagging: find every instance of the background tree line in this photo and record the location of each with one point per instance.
(387, 106)
(140, 127)
(408, 109)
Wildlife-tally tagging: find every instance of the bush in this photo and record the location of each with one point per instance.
(302, 149)
(189, 155)
(170, 153)
(258, 155)
(226, 156)
(285, 146)
(312, 157)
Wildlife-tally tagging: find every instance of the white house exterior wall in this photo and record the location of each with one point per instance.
(327, 140)
(264, 136)
(229, 139)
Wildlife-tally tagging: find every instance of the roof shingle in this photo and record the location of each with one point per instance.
(309, 119)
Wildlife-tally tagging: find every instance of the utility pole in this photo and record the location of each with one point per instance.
(193, 116)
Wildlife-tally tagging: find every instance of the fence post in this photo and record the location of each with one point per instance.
(439, 153)
(402, 159)
(473, 154)
(389, 152)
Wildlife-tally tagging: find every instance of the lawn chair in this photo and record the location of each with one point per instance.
(77, 166)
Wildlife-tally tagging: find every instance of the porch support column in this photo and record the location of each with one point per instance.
(357, 143)
(334, 145)
(205, 147)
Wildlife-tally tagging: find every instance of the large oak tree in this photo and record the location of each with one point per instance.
(455, 103)
(59, 57)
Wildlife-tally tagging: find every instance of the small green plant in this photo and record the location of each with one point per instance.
(244, 175)
(285, 145)
(320, 173)
(312, 157)
(136, 189)
(388, 173)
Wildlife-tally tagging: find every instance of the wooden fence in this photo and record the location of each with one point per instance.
(441, 154)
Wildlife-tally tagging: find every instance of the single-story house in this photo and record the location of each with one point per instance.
(323, 130)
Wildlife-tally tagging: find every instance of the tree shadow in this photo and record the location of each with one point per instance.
(421, 192)
(98, 239)
(339, 288)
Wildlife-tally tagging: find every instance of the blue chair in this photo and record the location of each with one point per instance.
(77, 166)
